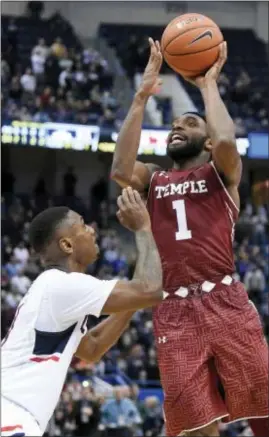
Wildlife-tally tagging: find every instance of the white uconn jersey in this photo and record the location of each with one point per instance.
(45, 333)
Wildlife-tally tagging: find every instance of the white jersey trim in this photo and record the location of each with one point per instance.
(223, 186)
(216, 419)
(150, 183)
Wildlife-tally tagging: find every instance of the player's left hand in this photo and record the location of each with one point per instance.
(213, 73)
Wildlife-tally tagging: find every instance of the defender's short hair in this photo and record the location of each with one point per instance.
(43, 227)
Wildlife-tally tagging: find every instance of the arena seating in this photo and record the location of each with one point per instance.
(246, 53)
(73, 85)
(30, 30)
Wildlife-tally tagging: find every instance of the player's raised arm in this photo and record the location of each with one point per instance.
(145, 289)
(125, 169)
(221, 127)
(102, 337)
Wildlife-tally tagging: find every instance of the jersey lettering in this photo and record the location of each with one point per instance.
(183, 233)
(192, 187)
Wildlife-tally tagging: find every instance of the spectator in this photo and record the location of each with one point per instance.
(66, 62)
(254, 281)
(52, 72)
(20, 283)
(38, 58)
(38, 65)
(23, 114)
(58, 49)
(93, 78)
(28, 81)
(15, 91)
(21, 253)
(88, 413)
(46, 98)
(152, 420)
(224, 85)
(240, 128)
(70, 181)
(120, 416)
(5, 71)
(65, 79)
(136, 362)
(108, 120)
(41, 49)
(241, 88)
(12, 267)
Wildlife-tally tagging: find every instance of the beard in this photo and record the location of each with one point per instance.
(190, 149)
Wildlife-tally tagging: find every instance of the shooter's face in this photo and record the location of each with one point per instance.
(187, 138)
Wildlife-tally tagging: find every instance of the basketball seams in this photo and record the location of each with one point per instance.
(195, 53)
(187, 30)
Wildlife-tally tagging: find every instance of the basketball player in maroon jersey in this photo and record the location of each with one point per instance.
(206, 330)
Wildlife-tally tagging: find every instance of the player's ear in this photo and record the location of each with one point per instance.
(66, 245)
(208, 145)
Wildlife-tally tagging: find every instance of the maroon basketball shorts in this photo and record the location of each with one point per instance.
(206, 341)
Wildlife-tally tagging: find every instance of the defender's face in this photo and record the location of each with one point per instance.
(85, 248)
(187, 137)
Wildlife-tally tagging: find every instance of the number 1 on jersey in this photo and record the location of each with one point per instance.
(183, 233)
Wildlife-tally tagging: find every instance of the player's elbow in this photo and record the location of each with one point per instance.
(119, 177)
(227, 141)
(88, 349)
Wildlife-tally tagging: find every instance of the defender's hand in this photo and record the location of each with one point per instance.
(151, 82)
(133, 213)
(213, 73)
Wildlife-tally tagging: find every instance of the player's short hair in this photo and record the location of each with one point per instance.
(198, 114)
(43, 227)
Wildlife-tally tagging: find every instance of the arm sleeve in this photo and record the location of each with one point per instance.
(76, 295)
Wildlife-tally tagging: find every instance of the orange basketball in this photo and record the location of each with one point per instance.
(190, 44)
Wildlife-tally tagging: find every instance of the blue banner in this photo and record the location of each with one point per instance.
(258, 146)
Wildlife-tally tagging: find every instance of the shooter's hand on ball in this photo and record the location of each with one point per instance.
(213, 73)
(151, 81)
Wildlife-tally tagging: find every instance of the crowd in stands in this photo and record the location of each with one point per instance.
(87, 404)
(57, 83)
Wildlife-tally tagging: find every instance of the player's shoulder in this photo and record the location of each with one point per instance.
(58, 279)
(51, 276)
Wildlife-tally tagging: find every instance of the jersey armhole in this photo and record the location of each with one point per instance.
(229, 197)
(147, 193)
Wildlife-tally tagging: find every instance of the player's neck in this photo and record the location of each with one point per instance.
(67, 265)
(185, 164)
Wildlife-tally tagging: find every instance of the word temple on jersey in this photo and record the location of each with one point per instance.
(192, 187)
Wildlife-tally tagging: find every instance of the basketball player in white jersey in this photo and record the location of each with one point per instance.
(51, 321)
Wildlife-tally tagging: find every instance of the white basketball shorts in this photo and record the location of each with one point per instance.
(17, 422)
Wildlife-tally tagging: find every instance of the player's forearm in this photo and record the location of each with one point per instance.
(222, 133)
(128, 141)
(103, 336)
(148, 266)
(220, 124)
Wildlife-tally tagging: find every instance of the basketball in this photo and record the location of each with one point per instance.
(190, 44)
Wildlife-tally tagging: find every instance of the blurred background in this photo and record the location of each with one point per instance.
(69, 71)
